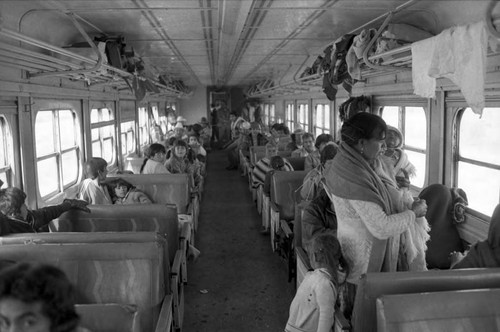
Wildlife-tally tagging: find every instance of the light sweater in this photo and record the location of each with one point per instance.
(359, 222)
(154, 167)
(312, 309)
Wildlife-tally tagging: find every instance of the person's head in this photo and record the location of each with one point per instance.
(12, 201)
(180, 149)
(156, 152)
(96, 168)
(121, 187)
(328, 153)
(297, 136)
(36, 298)
(393, 138)
(352, 106)
(232, 116)
(322, 140)
(308, 142)
(193, 140)
(365, 132)
(271, 149)
(204, 122)
(327, 253)
(277, 163)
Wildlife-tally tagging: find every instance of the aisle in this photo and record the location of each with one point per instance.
(237, 284)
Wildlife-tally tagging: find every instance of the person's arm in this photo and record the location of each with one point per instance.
(326, 296)
(45, 215)
(379, 224)
(312, 224)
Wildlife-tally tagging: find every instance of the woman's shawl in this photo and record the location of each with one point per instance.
(350, 176)
(485, 253)
(404, 163)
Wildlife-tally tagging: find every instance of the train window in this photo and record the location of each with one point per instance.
(143, 126)
(272, 115)
(266, 114)
(290, 116)
(156, 116)
(128, 137)
(103, 133)
(413, 124)
(478, 161)
(322, 116)
(58, 157)
(303, 116)
(6, 153)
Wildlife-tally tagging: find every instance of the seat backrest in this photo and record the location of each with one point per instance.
(474, 310)
(253, 153)
(283, 187)
(297, 163)
(375, 285)
(134, 164)
(125, 273)
(162, 188)
(157, 218)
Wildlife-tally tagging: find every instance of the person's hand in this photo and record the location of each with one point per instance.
(78, 204)
(419, 207)
(456, 257)
(402, 182)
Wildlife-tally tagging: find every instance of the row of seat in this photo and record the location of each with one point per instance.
(128, 262)
(400, 301)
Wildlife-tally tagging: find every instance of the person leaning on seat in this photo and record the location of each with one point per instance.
(37, 298)
(16, 218)
(93, 189)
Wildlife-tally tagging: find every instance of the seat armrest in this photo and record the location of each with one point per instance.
(166, 317)
(286, 228)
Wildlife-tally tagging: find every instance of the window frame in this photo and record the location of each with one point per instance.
(315, 126)
(402, 105)
(59, 151)
(306, 117)
(100, 125)
(290, 115)
(8, 151)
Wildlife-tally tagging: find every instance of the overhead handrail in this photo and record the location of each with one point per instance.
(95, 68)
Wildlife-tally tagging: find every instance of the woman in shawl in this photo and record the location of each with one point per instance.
(483, 253)
(403, 168)
(371, 216)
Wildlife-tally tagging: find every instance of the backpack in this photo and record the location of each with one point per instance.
(338, 73)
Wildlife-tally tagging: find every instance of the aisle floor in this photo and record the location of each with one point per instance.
(237, 283)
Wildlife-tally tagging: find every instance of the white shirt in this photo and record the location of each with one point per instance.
(154, 167)
(92, 192)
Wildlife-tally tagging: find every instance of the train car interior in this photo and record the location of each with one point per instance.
(233, 124)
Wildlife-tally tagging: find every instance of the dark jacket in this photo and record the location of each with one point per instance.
(318, 217)
(35, 220)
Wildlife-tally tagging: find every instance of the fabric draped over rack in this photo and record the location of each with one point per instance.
(459, 54)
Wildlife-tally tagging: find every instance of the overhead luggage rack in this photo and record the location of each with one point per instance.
(40, 59)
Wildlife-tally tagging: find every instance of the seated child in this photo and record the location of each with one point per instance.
(313, 308)
(92, 189)
(37, 298)
(155, 159)
(125, 193)
(179, 163)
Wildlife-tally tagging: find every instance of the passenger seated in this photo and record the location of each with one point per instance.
(313, 307)
(483, 253)
(179, 163)
(307, 146)
(196, 147)
(155, 158)
(126, 193)
(18, 219)
(313, 159)
(313, 179)
(37, 298)
(277, 164)
(263, 166)
(93, 190)
(296, 142)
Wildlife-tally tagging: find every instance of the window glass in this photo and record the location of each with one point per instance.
(6, 153)
(143, 126)
(48, 176)
(480, 137)
(290, 117)
(418, 160)
(128, 137)
(69, 167)
(94, 115)
(44, 133)
(415, 127)
(478, 172)
(322, 119)
(67, 129)
(390, 114)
